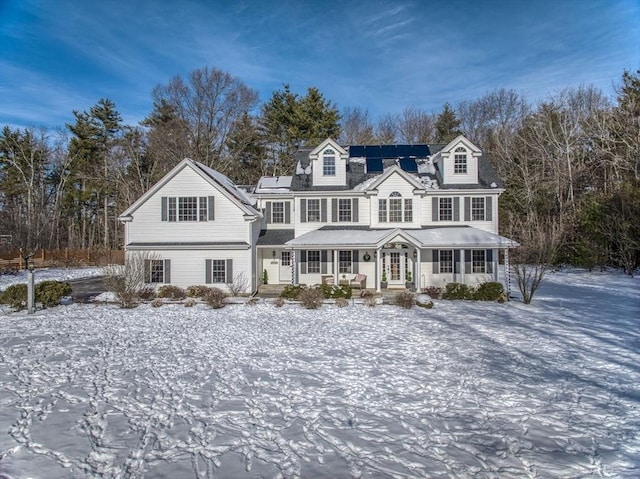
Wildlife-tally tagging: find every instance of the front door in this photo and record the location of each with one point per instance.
(396, 268)
(285, 267)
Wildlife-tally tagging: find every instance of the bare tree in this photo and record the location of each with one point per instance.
(415, 126)
(357, 128)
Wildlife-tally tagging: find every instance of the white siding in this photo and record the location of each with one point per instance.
(395, 183)
(229, 224)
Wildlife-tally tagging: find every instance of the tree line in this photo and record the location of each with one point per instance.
(571, 163)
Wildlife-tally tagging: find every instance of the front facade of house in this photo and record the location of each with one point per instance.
(394, 215)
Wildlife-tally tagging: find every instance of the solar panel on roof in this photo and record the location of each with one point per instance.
(409, 165)
(357, 151)
(374, 165)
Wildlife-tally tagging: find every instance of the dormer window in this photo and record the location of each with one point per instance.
(460, 161)
(329, 162)
(395, 209)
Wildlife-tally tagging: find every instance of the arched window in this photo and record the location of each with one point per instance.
(329, 162)
(395, 209)
(460, 160)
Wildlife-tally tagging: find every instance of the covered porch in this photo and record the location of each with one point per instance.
(398, 258)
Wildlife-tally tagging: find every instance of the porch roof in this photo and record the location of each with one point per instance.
(430, 237)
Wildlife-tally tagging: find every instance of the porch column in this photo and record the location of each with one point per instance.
(496, 263)
(507, 272)
(335, 267)
(462, 265)
(295, 266)
(417, 277)
(378, 256)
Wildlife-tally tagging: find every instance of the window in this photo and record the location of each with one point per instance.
(460, 161)
(395, 207)
(156, 271)
(187, 208)
(329, 162)
(285, 258)
(344, 209)
(382, 211)
(218, 271)
(398, 211)
(478, 261)
(344, 261)
(446, 209)
(313, 261)
(313, 210)
(408, 211)
(477, 209)
(446, 261)
(277, 212)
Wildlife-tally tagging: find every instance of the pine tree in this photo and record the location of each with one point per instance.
(447, 125)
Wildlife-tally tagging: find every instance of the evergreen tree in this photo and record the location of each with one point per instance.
(246, 150)
(447, 125)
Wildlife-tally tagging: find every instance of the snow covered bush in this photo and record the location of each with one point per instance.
(239, 285)
(311, 298)
(190, 302)
(433, 291)
(424, 301)
(170, 291)
(368, 298)
(332, 291)
(291, 292)
(129, 281)
(15, 296)
(279, 302)
(215, 298)
(156, 303)
(405, 299)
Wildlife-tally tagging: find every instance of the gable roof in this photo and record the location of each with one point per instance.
(213, 177)
(395, 170)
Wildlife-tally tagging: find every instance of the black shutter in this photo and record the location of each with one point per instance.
(488, 204)
(268, 212)
(467, 208)
(434, 209)
(211, 208)
(323, 261)
(287, 212)
(334, 210)
(354, 261)
(489, 260)
(456, 261)
(303, 211)
(323, 210)
(467, 261)
(303, 262)
(147, 271)
(354, 210)
(229, 271)
(207, 271)
(436, 261)
(167, 271)
(456, 209)
(164, 215)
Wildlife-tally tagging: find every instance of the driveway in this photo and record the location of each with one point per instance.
(85, 290)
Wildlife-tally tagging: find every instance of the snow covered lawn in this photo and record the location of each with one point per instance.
(466, 389)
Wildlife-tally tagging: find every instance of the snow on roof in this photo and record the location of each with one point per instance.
(227, 184)
(339, 237)
(451, 236)
(273, 184)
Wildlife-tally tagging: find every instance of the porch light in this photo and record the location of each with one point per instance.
(273, 253)
(415, 254)
(375, 254)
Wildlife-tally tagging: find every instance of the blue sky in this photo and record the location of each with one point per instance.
(61, 55)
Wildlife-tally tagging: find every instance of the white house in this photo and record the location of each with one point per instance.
(390, 214)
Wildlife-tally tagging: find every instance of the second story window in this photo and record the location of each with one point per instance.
(313, 210)
(187, 208)
(277, 212)
(329, 162)
(344, 209)
(445, 209)
(399, 210)
(477, 209)
(460, 161)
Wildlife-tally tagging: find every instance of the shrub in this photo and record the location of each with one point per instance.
(311, 298)
(146, 293)
(215, 298)
(48, 293)
(490, 291)
(171, 292)
(342, 302)
(279, 303)
(291, 292)
(156, 303)
(239, 285)
(252, 302)
(189, 303)
(405, 299)
(334, 292)
(457, 291)
(433, 291)
(198, 291)
(15, 296)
